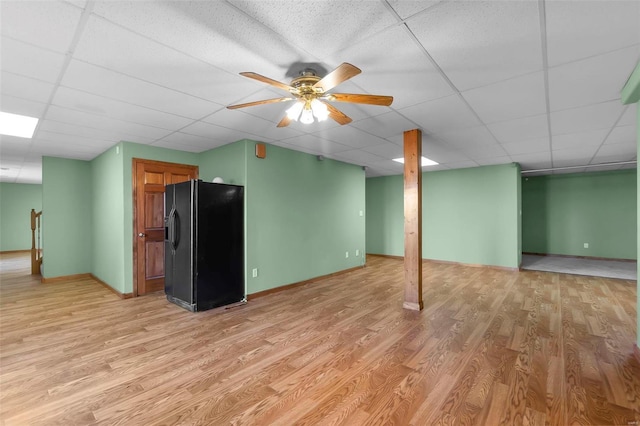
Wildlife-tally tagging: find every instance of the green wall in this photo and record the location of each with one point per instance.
(385, 215)
(468, 215)
(227, 162)
(108, 218)
(303, 215)
(562, 212)
(66, 206)
(16, 202)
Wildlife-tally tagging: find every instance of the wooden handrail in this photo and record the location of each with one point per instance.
(36, 250)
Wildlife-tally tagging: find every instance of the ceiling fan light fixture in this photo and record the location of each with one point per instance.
(294, 112)
(311, 92)
(307, 116)
(320, 110)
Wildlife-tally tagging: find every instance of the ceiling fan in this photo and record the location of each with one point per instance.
(310, 92)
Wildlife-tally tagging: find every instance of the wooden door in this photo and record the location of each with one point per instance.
(149, 180)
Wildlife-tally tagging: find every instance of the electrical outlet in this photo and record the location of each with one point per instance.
(361, 213)
(357, 252)
(586, 245)
(346, 255)
(254, 273)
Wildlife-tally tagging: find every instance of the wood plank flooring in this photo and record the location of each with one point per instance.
(491, 347)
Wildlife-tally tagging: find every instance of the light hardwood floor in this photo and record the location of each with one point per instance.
(491, 347)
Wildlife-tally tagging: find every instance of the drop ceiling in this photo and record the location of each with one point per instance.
(488, 82)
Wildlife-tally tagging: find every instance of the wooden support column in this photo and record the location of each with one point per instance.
(413, 220)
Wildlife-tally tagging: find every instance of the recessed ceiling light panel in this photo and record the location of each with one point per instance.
(17, 125)
(425, 161)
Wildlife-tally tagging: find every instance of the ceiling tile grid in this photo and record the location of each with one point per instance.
(488, 82)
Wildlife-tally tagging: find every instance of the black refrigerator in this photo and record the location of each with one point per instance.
(204, 244)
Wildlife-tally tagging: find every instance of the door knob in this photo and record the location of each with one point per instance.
(142, 234)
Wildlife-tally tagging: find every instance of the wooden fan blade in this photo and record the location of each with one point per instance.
(337, 115)
(284, 122)
(341, 74)
(266, 101)
(360, 99)
(268, 80)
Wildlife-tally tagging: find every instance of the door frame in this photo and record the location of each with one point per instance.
(134, 176)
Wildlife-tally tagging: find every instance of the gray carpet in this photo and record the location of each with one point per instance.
(577, 266)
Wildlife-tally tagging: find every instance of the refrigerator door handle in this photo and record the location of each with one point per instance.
(174, 238)
(171, 226)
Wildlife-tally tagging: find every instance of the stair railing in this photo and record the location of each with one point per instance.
(36, 238)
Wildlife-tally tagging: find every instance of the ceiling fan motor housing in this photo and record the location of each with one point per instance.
(304, 84)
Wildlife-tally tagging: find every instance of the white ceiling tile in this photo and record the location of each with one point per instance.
(78, 3)
(350, 136)
(527, 146)
(573, 157)
(74, 144)
(598, 116)
(468, 137)
(357, 157)
(441, 115)
(406, 8)
(462, 165)
(491, 161)
(48, 24)
(25, 87)
(630, 116)
(520, 129)
(359, 112)
(444, 156)
(175, 144)
(22, 106)
(385, 125)
(622, 134)
(246, 124)
(31, 174)
(315, 145)
(623, 151)
(23, 59)
(192, 141)
(592, 80)
(103, 82)
(579, 29)
(613, 158)
(213, 31)
(482, 42)
(486, 151)
(388, 166)
(94, 104)
(336, 23)
(143, 70)
(121, 50)
(219, 134)
(387, 150)
(14, 146)
(75, 129)
(509, 99)
(420, 80)
(139, 132)
(580, 139)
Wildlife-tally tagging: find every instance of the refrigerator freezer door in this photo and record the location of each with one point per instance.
(168, 256)
(182, 241)
(219, 245)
